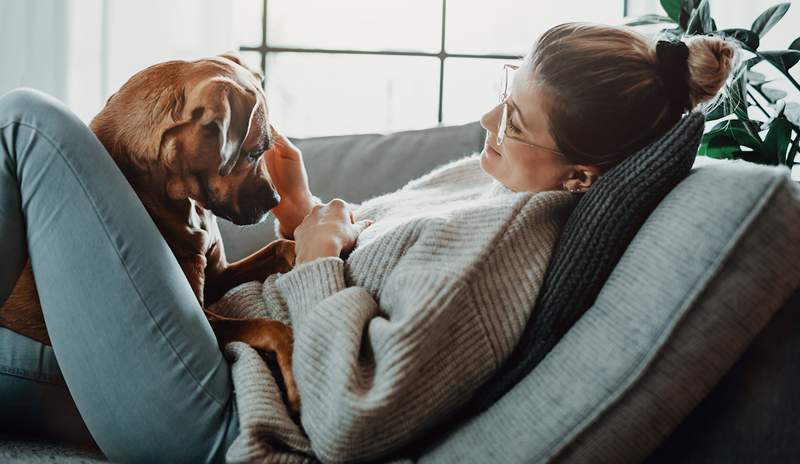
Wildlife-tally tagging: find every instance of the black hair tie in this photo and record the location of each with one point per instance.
(673, 68)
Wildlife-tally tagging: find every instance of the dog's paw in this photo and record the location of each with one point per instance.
(292, 395)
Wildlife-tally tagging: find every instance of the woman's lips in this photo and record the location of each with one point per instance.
(492, 151)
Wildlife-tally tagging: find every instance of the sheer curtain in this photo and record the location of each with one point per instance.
(81, 51)
(33, 45)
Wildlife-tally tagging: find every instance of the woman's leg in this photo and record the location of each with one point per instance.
(34, 399)
(134, 348)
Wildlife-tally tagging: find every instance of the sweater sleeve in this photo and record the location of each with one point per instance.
(370, 382)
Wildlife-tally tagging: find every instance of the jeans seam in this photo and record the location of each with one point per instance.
(49, 379)
(116, 250)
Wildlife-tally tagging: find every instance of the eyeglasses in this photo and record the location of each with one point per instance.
(502, 128)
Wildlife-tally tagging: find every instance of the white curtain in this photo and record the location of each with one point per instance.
(81, 51)
(33, 45)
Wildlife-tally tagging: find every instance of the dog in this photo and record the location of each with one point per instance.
(190, 138)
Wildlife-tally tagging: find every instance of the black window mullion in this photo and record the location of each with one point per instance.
(442, 55)
(264, 48)
(264, 43)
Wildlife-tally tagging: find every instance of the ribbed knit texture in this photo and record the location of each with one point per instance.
(391, 342)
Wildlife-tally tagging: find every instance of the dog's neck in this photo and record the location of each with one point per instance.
(177, 216)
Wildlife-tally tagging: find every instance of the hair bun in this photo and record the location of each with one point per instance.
(710, 62)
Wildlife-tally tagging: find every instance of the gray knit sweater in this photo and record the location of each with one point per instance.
(386, 344)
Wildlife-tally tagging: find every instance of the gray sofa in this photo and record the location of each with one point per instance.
(689, 353)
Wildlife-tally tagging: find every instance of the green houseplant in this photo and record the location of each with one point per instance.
(755, 122)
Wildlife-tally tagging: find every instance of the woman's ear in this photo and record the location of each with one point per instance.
(581, 177)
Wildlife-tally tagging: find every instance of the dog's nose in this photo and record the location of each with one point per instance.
(276, 196)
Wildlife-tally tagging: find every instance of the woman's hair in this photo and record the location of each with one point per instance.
(611, 90)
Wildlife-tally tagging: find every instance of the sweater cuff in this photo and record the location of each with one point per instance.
(309, 283)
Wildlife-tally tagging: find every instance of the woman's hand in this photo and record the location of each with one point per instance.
(328, 230)
(288, 174)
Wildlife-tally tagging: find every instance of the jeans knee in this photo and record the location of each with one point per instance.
(21, 101)
(31, 106)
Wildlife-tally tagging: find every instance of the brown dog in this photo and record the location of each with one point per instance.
(190, 138)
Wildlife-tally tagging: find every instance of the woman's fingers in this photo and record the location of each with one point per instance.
(329, 230)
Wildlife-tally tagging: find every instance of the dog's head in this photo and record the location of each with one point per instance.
(203, 126)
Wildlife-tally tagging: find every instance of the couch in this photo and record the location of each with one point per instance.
(689, 353)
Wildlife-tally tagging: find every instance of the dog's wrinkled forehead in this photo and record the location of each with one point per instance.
(159, 110)
(223, 90)
(231, 67)
(240, 68)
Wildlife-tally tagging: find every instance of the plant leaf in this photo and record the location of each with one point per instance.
(719, 111)
(648, 19)
(750, 62)
(795, 45)
(673, 34)
(748, 39)
(792, 113)
(792, 151)
(777, 140)
(672, 8)
(687, 7)
(781, 59)
(769, 18)
(720, 146)
(733, 100)
(756, 156)
(700, 20)
(773, 95)
(756, 78)
(739, 131)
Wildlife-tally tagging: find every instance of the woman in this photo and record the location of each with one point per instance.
(429, 302)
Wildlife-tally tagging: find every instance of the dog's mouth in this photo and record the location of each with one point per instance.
(250, 213)
(250, 205)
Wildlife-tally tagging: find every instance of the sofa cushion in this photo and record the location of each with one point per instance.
(358, 167)
(704, 274)
(751, 415)
(596, 234)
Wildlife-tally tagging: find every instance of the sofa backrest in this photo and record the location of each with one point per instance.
(358, 167)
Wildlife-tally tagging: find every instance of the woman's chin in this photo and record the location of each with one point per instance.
(485, 161)
(489, 156)
(489, 164)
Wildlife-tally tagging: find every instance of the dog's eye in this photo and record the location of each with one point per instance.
(254, 155)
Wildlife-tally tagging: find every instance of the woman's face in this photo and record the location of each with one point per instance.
(516, 163)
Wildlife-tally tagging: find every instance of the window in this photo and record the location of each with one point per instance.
(365, 66)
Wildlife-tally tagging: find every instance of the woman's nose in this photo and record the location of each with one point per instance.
(489, 119)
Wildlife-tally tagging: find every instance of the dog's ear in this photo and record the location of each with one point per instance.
(238, 60)
(222, 108)
(232, 56)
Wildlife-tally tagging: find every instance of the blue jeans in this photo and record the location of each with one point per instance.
(129, 340)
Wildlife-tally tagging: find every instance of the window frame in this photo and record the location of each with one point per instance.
(265, 48)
